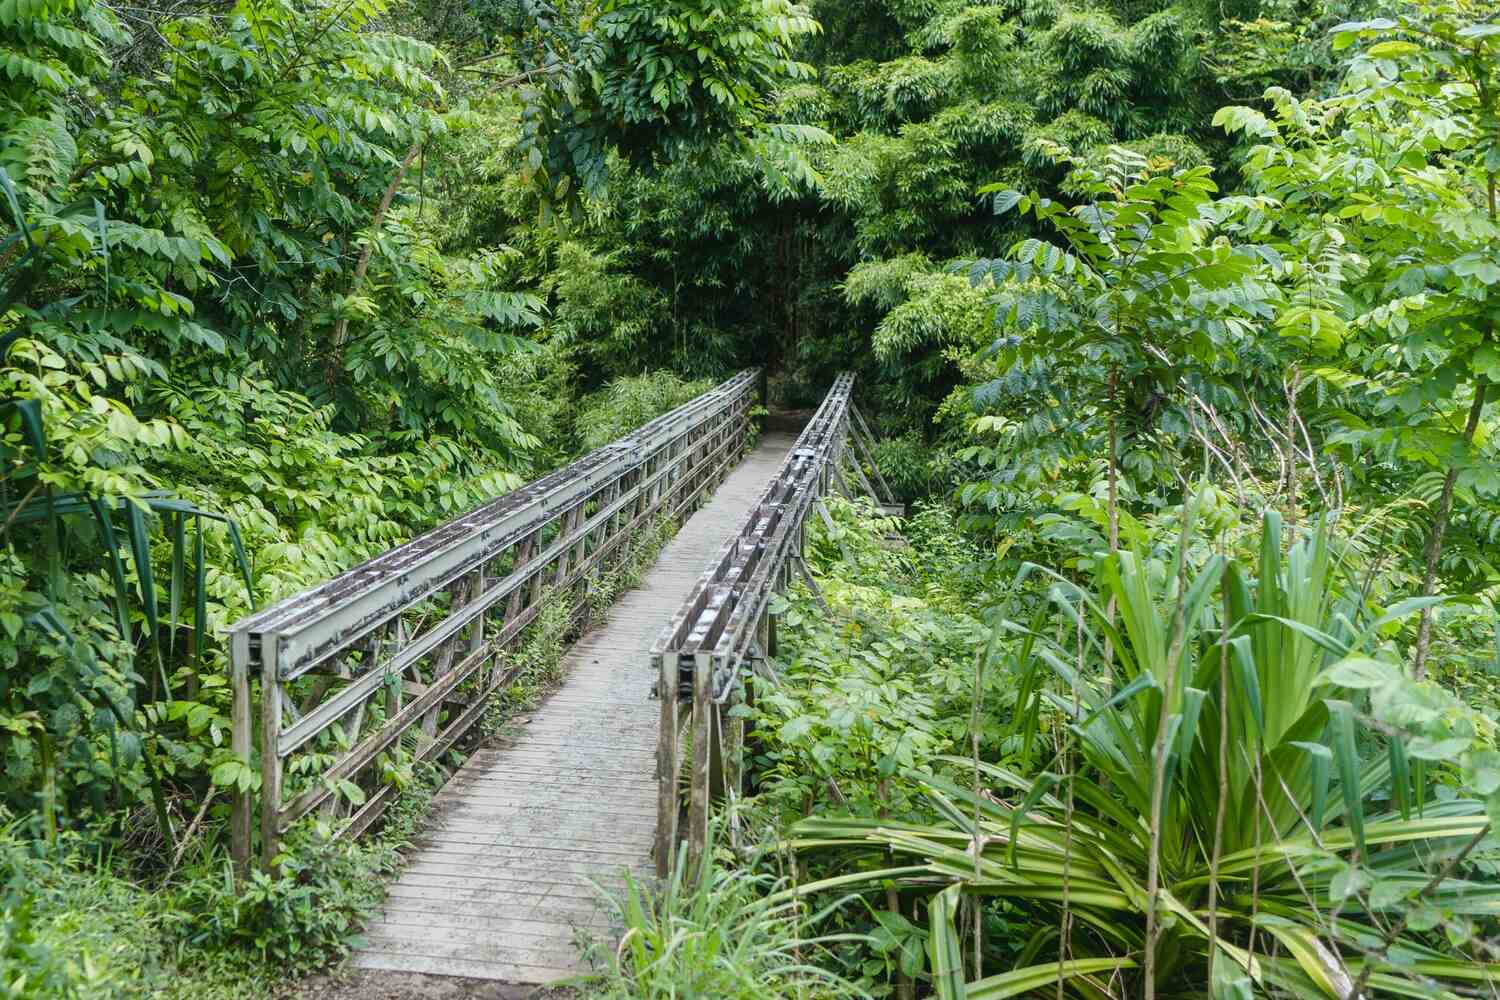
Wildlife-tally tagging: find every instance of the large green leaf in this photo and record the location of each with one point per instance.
(1020, 982)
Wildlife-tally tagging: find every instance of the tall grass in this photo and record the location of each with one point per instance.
(719, 933)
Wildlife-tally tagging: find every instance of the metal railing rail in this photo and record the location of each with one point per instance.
(724, 631)
(410, 645)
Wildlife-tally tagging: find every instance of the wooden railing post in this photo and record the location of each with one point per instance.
(270, 755)
(698, 793)
(243, 806)
(667, 806)
(732, 749)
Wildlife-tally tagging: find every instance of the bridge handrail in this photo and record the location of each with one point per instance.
(724, 630)
(431, 619)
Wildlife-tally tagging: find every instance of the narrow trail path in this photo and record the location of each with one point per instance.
(499, 886)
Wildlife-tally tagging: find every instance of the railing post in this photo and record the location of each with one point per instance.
(517, 599)
(731, 746)
(698, 800)
(476, 630)
(270, 754)
(240, 741)
(667, 805)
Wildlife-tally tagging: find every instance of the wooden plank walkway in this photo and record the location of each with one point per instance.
(500, 885)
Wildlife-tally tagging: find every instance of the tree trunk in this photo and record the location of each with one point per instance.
(341, 327)
(1114, 460)
(1435, 539)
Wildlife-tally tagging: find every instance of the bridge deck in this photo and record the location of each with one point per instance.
(501, 882)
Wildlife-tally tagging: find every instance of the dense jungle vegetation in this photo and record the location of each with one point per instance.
(1177, 322)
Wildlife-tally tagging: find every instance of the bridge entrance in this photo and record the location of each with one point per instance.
(501, 883)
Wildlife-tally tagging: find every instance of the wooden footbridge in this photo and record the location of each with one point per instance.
(340, 691)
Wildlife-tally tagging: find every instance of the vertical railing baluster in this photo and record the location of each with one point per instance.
(667, 805)
(270, 753)
(241, 816)
(698, 797)
(517, 599)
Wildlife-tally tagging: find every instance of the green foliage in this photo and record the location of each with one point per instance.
(308, 914)
(715, 932)
(879, 684)
(1145, 299)
(1229, 724)
(602, 310)
(68, 929)
(651, 80)
(740, 253)
(1395, 181)
(630, 401)
(1415, 340)
(910, 467)
(281, 285)
(77, 923)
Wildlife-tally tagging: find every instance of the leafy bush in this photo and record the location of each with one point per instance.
(913, 468)
(877, 684)
(75, 923)
(306, 915)
(72, 927)
(628, 402)
(1231, 819)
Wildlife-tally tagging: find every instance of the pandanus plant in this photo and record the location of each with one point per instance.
(1233, 827)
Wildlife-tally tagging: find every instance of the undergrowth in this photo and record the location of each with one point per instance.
(722, 933)
(76, 922)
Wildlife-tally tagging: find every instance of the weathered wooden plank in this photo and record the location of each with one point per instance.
(521, 889)
(539, 904)
(441, 907)
(448, 966)
(520, 929)
(503, 783)
(518, 869)
(606, 857)
(545, 951)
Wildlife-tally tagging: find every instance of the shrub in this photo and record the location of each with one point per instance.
(1233, 821)
(628, 402)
